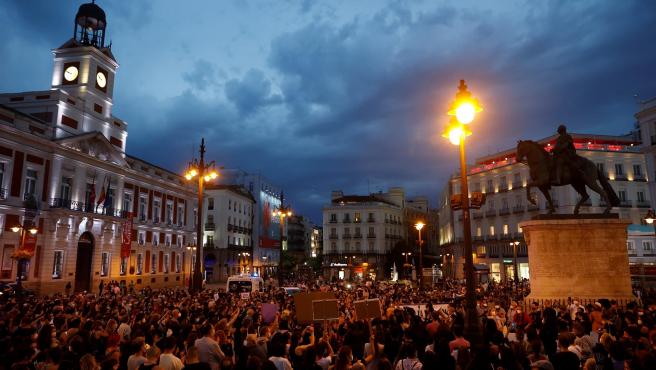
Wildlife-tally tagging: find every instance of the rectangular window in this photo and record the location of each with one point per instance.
(166, 263)
(156, 210)
(505, 229)
(478, 231)
(153, 263)
(502, 182)
(333, 217)
(104, 264)
(600, 168)
(143, 201)
(492, 230)
(178, 263)
(357, 217)
(630, 246)
(58, 265)
(646, 246)
(127, 202)
(622, 195)
(142, 238)
(30, 183)
(489, 188)
(641, 196)
(2, 179)
(210, 204)
(619, 170)
(180, 215)
(169, 213)
(517, 179)
(210, 241)
(139, 263)
(167, 240)
(637, 170)
(124, 265)
(155, 239)
(65, 188)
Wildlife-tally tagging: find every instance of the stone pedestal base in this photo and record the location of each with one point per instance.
(582, 258)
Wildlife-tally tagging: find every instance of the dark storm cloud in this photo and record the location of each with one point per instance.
(353, 96)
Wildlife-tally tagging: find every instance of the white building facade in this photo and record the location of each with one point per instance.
(360, 231)
(503, 180)
(228, 231)
(63, 149)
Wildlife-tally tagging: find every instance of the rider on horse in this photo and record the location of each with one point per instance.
(563, 152)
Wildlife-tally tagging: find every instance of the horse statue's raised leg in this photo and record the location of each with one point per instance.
(545, 191)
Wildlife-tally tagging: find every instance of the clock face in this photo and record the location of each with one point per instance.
(101, 80)
(70, 74)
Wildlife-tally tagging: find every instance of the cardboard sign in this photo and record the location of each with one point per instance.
(269, 311)
(368, 309)
(325, 309)
(245, 295)
(28, 244)
(303, 303)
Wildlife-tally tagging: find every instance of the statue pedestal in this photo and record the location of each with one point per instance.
(582, 258)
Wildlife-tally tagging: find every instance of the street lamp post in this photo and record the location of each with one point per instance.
(420, 225)
(515, 275)
(27, 227)
(282, 212)
(463, 111)
(205, 173)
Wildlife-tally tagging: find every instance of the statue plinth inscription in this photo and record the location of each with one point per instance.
(577, 257)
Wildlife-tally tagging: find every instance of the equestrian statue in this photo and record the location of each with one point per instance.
(563, 167)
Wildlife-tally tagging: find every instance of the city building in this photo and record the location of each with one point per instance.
(99, 214)
(495, 227)
(228, 231)
(359, 231)
(266, 227)
(299, 237)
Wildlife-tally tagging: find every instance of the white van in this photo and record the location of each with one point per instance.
(244, 283)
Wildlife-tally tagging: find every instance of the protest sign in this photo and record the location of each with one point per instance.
(367, 309)
(325, 309)
(303, 303)
(269, 311)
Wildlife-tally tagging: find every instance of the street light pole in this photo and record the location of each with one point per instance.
(281, 213)
(515, 275)
(463, 111)
(205, 173)
(420, 225)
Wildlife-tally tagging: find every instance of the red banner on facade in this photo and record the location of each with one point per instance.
(28, 245)
(126, 240)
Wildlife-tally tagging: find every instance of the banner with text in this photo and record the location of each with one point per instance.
(126, 242)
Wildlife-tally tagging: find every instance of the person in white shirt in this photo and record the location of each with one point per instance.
(167, 360)
(135, 360)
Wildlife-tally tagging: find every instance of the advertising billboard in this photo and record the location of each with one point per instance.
(269, 225)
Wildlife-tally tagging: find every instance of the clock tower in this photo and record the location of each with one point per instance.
(84, 66)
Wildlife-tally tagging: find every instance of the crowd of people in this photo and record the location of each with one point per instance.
(124, 328)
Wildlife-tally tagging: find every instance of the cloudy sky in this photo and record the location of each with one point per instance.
(350, 95)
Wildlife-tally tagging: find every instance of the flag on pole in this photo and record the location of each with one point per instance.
(101, 197)
(92, 194)
(108, 195)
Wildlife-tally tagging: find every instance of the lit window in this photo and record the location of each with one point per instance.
(492, 230)
(166, 263)
(124, 265)
(58, 265)
(139, 264)
(104, 264)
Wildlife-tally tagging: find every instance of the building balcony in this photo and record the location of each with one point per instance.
(142, 218)
(357, 236)
(643, 204)
(627, 203)
(504, 211)
(518, 209)
(357, 221)
(346, 221)
(371, 236)
(533, 207)
(210, 226)
(333, 237)
(477, 215)
(621, 177)
(477, 238)
(60, 203)
(517, 185)
(155, 220)
(332, 221)
(491, 213)
(346, 236)
(503, 188)
(209, 245)
(371, 219)
(639, 177)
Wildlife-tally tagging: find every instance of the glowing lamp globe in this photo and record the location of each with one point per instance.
(465, 112)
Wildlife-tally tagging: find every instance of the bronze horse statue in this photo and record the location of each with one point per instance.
(580, 172)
